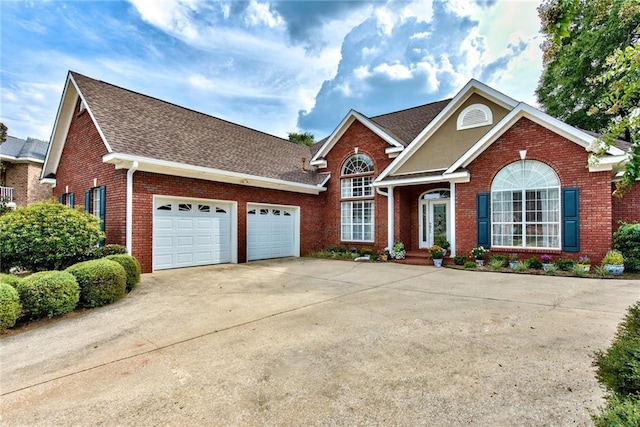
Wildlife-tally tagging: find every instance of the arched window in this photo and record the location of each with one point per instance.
(475, 115)
(525, 206)
(356, 193)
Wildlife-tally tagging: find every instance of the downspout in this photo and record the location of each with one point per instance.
(390, 215)
(129, 214)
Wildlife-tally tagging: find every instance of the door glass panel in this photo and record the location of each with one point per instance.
(440, 220)
(424, 224)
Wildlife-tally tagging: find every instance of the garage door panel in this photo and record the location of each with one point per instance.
(270, 232)
(190, 233)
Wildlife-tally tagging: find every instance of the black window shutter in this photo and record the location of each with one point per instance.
(61, 199)
(570, 220)
(483, 223)
(87, 201)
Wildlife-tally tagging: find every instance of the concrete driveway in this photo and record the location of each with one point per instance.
(319, 342)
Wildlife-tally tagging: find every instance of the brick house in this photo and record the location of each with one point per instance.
(180, 188)
(21, 169)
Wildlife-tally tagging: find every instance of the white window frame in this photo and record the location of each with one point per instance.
(357, 207)
(519, 196)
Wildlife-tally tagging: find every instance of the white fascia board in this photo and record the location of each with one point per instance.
(325, 180)
(319, 163)
(146, 164)
(61, 126)
(473, 86)
(392, 150)
(608, 163)
(344, 125)
(451, 177)
(20, 159)
(48, 181)
(523, 110)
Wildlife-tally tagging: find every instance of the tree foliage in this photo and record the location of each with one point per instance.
(304, 138)
(3, 132)
(591, 78)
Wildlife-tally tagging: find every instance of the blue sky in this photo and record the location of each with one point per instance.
(276, 66)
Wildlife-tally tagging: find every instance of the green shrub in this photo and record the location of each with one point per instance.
(565, 264)
(10, 307)
(496, 263)
(552, 270)
(46, 236)
(441, 240)
(48, 293)
(534, 263)
(618, 368)
(131, 267)
(9, 279)
(102, 281)
(627, 241)
(600, 271)
(470, 264)
(618, 413)
(522, 266)
(578, 270)
(459, 259)
(496, 258)
(98, 252)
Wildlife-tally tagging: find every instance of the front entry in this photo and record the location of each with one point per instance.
(434, 217)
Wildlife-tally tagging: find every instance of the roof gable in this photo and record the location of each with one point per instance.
(136, 126)
(471, 88)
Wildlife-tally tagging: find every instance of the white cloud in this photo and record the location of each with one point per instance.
(384, 21)
(260, 14)
(171, 16)
(394, 71)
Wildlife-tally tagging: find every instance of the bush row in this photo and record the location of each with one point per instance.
(92, 283)
(618, 371)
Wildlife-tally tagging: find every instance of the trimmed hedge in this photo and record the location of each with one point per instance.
(48, 293)
(102, 281)
(618, 413)
(131, 267)
(46, 236)
(10, 307)
(9, 279)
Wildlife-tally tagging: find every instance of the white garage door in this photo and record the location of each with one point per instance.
(190, 232)
(270, 232)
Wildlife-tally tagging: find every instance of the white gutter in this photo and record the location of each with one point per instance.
(129, 214)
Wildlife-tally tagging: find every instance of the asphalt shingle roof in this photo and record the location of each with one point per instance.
(140, 125)
(405, 125)
(24, 149)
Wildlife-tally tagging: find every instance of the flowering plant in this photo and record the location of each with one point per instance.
(545, 258)
(479, 252)
(584, 260)
(436, 252)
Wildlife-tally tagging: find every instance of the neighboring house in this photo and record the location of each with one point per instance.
(180, 188)
(20, 171)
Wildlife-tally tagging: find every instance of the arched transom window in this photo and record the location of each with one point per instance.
(356, 193)
(525, 206)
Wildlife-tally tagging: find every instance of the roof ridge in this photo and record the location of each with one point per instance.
(74, 73)
(412, 108)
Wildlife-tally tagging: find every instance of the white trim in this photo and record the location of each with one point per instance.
(452, 177)
(296, 221)
(523, 110)
(346, 122)
(473, 86)
(390, 217)
(486, 110)
(608, 163)
(93, 118)
(129, 208)
(233, 222)
(452, 194)
(199, 172)
(319, 163)
(20, 159)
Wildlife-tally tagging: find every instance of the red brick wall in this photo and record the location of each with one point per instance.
(147, 184)
(80, 163)
(627, 209)
(567, 159)
(36, 192)
(370, 144)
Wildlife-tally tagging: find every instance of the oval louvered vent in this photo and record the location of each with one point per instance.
(475, 115)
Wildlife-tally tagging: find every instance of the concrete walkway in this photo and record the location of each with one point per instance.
(320, 342)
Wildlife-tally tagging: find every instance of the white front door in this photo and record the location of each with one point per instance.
(434, 219)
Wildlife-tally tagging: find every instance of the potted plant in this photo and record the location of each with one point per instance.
(436, 253)
(584, 263)
(441, 240)
(397, 252)
(513, 260)
(613, 262)
(546, 261)
(478, 254)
